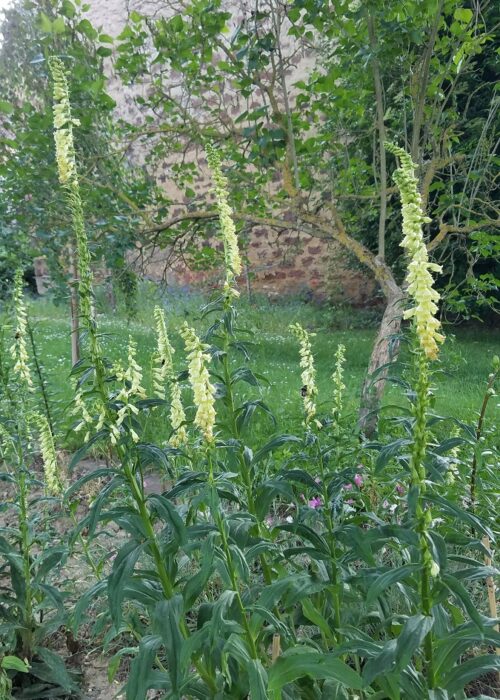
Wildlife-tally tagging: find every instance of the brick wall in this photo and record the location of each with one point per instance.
(278, 263)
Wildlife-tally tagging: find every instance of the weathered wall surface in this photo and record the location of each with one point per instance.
(277, 263)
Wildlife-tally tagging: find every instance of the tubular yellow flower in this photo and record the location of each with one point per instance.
(19, 350)
(133, 373)
(53, 483)
(419, 277)
(308, 376)
(177, 416)
(199, 379)
(231, 250)
(164, 372)
(81, 411)
(131, 380)
(163, 361)
(337, 378)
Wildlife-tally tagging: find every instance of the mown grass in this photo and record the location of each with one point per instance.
(463, 366)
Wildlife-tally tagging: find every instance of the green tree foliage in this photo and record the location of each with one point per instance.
(32, 216)
(418, 73)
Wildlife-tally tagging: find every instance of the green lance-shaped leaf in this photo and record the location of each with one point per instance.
(123, 567)
(166, 622)
(299, 664)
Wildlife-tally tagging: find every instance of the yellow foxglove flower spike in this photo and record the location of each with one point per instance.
(337, 378)
(164, 372)
(177, 416)
(163, 362)
(419, 277)
(131, 380)
(68, 177)
(199, 378)
(308, 376)
(49, 455)
(228, 230)
(19, 350)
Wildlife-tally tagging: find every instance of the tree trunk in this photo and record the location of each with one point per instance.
(385, 350)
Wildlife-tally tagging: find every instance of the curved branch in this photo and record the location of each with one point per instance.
(445, 229)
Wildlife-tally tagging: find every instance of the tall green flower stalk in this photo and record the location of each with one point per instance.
(68, 177)
(426, 329)
(205, 416)
(490, 391)
(226, 327)
(22, 443)
(338, 383)
(204, 393)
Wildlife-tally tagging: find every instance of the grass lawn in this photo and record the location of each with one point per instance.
(464, 364)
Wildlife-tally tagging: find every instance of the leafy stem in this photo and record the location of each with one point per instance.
(479, 429)
(423, 515)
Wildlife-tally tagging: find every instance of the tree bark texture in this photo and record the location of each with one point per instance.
(385, 350)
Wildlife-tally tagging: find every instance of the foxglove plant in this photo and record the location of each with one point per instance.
(163, 373)
(23, 544)
(19, 348)
(426, 328)
(309, 389)
(338, 383)
(247, 577)
(23, 443)
(232, 255)
(53, 481)
(199, 378)
(68, 177)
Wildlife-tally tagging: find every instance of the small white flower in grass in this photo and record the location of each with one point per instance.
(199, 379)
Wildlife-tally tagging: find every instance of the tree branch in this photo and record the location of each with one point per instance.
(379, 101)
(445, 229)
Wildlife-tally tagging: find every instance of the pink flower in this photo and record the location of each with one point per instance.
(358, 480)
(385, 504)
(315, 502)
(349, 502)
(400, 489)
(348, 487)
